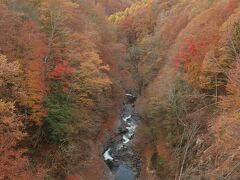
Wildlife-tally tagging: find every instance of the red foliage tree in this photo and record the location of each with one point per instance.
(61, 71)
(199, 37)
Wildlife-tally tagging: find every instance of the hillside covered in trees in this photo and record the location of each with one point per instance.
(66, 65)
(58, 69)
(185, 57)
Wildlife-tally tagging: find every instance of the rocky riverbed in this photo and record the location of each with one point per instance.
(119, 154)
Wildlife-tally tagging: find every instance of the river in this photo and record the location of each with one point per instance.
(119, 154)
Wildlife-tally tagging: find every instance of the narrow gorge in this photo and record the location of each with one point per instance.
(119, 89)
(119, 155)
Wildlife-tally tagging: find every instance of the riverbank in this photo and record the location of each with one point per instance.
(96, 160)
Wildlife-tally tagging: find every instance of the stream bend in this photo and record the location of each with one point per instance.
(119, 154)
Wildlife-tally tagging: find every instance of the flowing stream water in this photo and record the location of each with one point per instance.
(119, 154)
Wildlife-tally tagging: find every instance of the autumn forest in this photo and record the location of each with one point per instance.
(119, 89)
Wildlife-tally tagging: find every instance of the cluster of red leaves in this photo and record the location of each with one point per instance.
(200, 36)
(61, 71)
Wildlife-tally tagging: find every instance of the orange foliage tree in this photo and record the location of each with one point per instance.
(9, 27)
(33, 51)
(12, 162)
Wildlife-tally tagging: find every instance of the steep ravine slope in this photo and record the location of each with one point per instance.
(185, 57)
(62, 72)
(67, 71)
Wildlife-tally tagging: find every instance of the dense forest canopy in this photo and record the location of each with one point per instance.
(66, 64)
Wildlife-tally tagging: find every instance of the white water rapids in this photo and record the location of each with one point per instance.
(107, 155)
(119, 154)
(131, 127)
